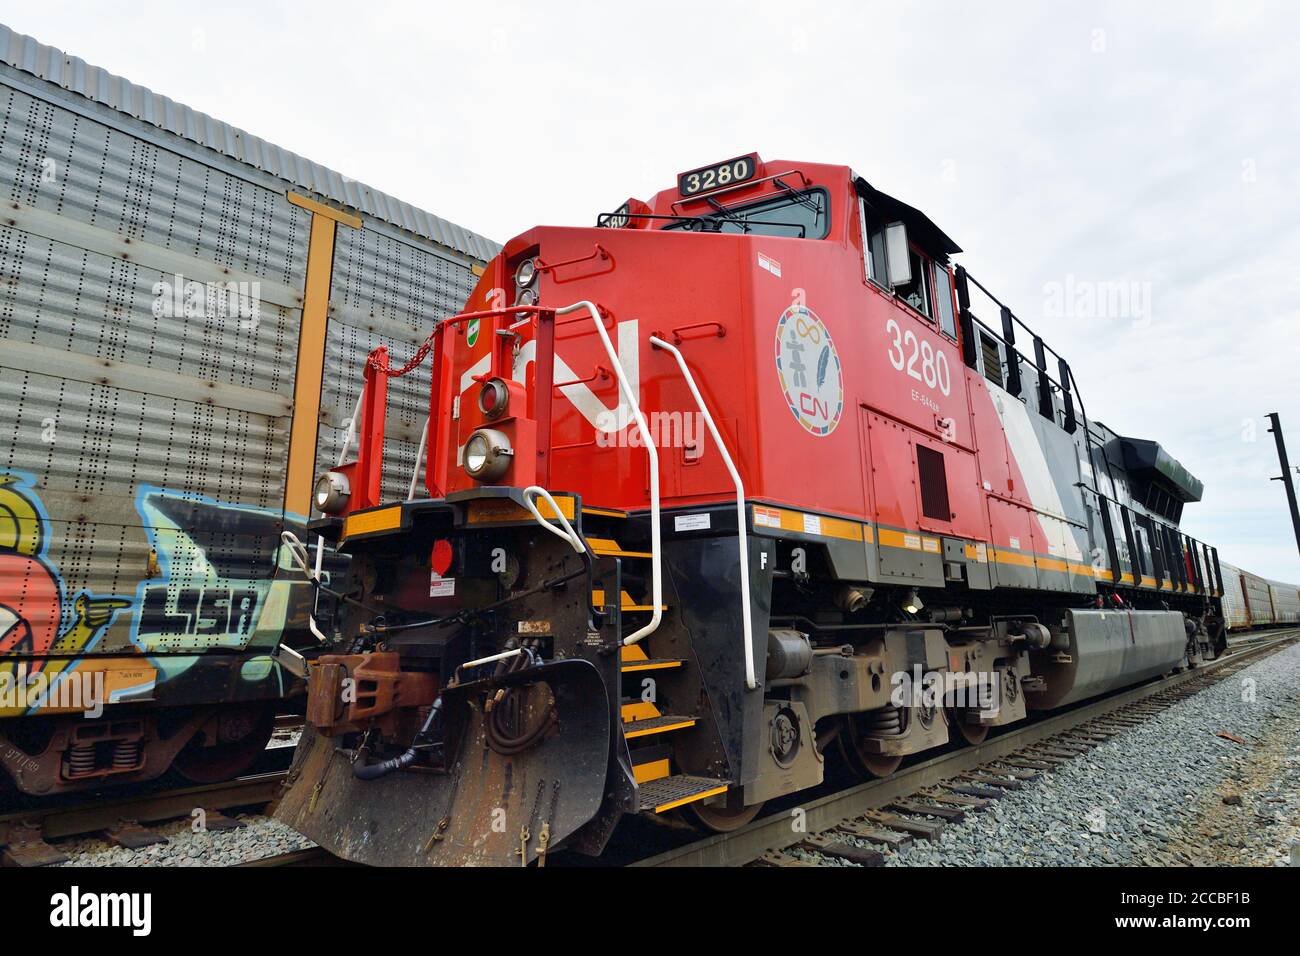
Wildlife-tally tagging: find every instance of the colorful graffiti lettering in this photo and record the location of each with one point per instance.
(32, 606)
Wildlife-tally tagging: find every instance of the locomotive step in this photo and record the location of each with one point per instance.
(626, 603)
(634, 659)
(668, 793)
(651, 664)
(609, 548)
(657, 725)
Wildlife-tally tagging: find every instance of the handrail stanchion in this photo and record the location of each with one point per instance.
(751, 680)
(656, 551)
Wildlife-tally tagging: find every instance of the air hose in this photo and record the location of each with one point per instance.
(496, 722)
(373, 771)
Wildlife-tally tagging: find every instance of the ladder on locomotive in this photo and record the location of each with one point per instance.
(654, 711)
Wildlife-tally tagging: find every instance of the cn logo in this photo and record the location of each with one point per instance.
(808, 370)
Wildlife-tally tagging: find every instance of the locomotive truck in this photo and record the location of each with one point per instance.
(744, 479)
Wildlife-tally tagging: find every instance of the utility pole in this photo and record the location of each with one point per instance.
(1286, 478)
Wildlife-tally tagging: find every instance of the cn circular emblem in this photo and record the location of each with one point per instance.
(808, 368)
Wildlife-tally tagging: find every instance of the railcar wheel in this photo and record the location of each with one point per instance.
(972, 734)
(852, 743)
(724, 819)
(249, 732)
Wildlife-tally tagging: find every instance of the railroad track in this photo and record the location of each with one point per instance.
(24, 833)
(919, 801)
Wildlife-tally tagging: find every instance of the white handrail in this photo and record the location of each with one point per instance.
(568, 534)
(298, 552)
(656, 570)
(750, 679)
(419, 460)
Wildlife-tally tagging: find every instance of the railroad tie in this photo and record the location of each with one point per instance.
(988, 780)
(950, 814)
(1016, 773)
(974, 790)
(899, 842)
(841, 850)
(925, 829)
(779, 858)
(132, 836)
(951, 798)
(1030, 764)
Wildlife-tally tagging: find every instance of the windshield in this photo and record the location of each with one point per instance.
(795, 215)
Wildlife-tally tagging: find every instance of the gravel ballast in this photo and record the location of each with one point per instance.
(260, 837)
(1164, 793)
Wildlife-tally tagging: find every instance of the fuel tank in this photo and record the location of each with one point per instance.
(1107, 650)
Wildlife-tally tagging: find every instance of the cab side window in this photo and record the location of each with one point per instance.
(943, 301)
(873, 244)
(917, 292)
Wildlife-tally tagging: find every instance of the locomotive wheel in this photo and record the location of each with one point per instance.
(864, 763)
(226, 760)
(723, 819)
(971, 734)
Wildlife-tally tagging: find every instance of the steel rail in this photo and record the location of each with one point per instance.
(85, 817)
(774, 832)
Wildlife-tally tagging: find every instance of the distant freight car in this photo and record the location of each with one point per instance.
(182, 307)
(1250, 601)
(1286, 602)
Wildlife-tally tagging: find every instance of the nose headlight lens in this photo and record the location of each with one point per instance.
(331, 492)
(527, 297)
(526, 273)
(487, 455)
(493, 398)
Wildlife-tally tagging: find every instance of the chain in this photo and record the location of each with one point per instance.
(414, 363)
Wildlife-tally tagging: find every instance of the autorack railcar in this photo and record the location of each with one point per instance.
(180, 303)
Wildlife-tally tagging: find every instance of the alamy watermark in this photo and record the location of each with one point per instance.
(80, 690)
(1077, 298)
(181, 298)
(974, 690)
(667, 430)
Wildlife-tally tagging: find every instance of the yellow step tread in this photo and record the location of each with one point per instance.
(626, 603)
(651, 664)
(656, 725)
(609, 548)
(666, 793)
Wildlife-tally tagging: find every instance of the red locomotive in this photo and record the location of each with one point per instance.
(730, 485)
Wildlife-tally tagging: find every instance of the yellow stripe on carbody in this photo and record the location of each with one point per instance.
(370, 522)
(494, 510)
(803, 522)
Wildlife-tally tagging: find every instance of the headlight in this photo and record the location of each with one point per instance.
(493, 398)
(527, 297)
(332, 492)
(526, 273)
(487, 455)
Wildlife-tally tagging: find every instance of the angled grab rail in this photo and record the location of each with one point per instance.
(656, 568)
(751, 680)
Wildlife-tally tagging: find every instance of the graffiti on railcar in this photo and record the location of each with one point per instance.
(217, 594)
(33, 612)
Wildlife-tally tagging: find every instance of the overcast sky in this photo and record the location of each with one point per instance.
(1061, 145)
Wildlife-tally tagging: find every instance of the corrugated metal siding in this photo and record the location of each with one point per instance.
(1234, 602)
(151, 447)
(1286, 602)
(1258, 599)
(384, 292)
(73, 74)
